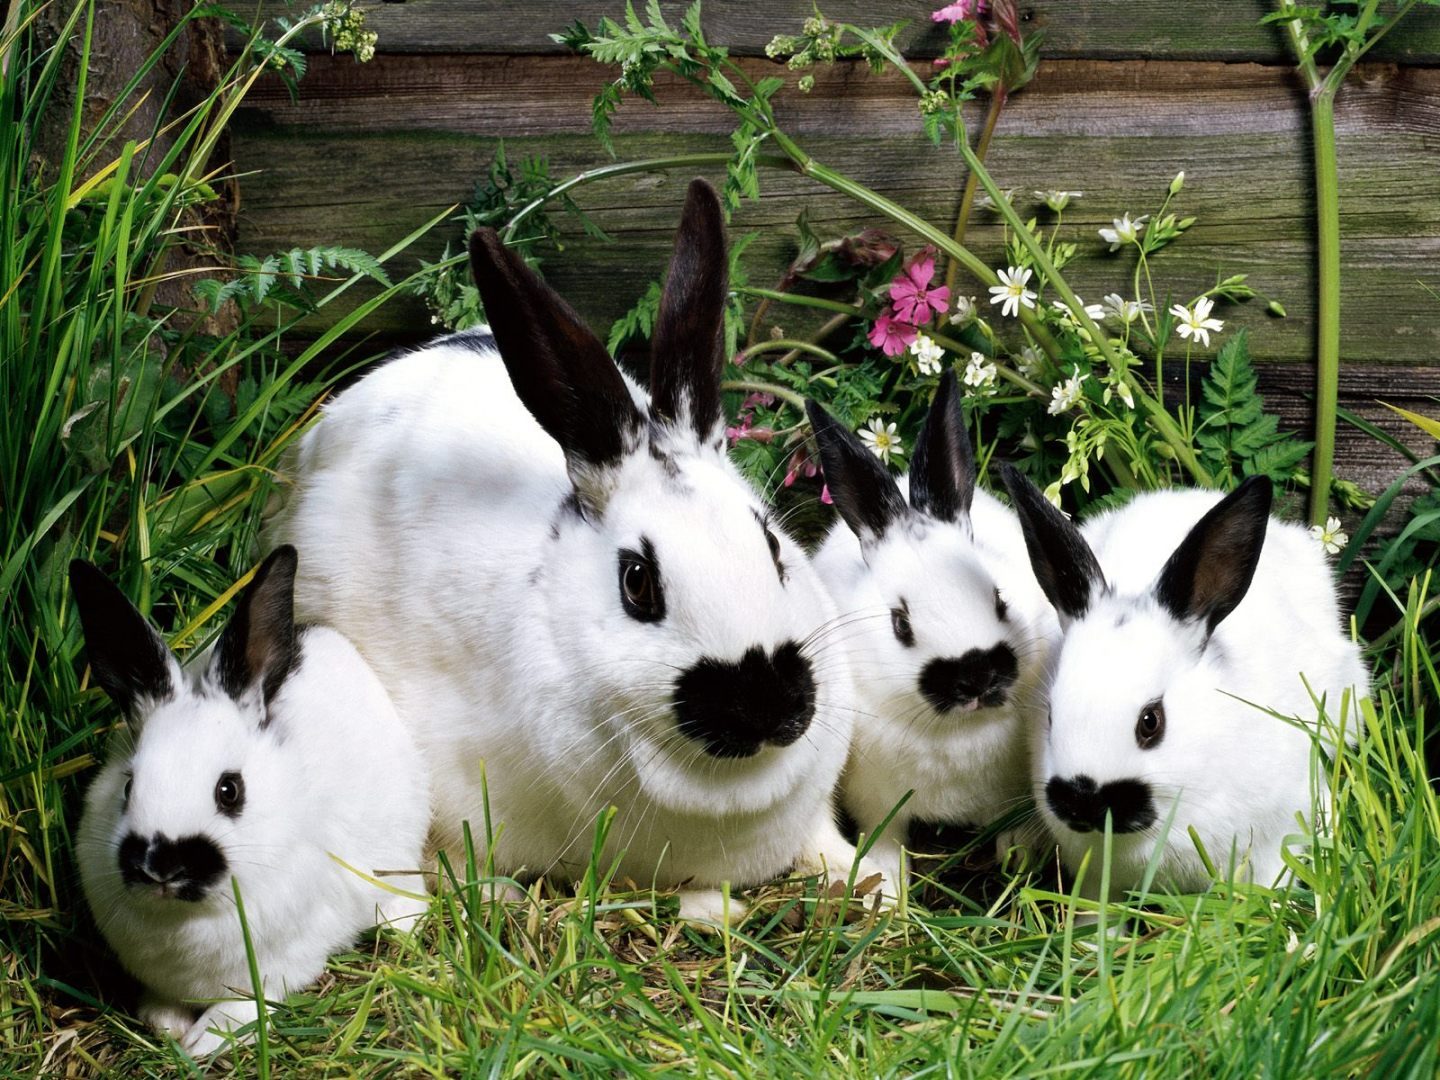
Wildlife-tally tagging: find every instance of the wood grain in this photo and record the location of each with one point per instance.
(370, 153)
(1107, 29)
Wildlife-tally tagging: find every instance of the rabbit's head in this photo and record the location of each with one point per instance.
(946, 642)
(201, 790)
(1139, 722)
(687, 615)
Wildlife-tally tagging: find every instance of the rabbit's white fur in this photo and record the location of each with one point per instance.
(332, 774)
(1225, 767)
(954, 579)
(448, 542)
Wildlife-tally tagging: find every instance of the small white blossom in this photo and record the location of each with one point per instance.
(880, 439)
(927, 354)
(1125, 311)
(1095, 311)
(980, 375)
(984, 202)
(1124, 232)
(1196, 322)
(1066, 395)
(1011, 292)
(1057, 200)
(1121, 389)
(1030, 362)
(965, 310)
(1329, 536)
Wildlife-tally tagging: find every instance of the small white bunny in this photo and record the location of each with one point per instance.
(1186, 617)
(947, 632)
(575, 598)
(267, 761)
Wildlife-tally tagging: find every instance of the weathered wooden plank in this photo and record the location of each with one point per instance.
(362, 162)
(1113, 29)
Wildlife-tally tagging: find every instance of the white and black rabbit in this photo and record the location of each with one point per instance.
(567, 582)
(947, 632)
(1186, 615)
(266, 760)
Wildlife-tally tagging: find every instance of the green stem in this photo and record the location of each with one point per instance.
(623, 168)
(826, 329)
(799, 344)
(967, 198)
(802, 301)
(1327, 344)
(755, 385)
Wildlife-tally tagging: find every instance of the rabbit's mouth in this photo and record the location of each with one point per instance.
(184, 869)
(736, 709)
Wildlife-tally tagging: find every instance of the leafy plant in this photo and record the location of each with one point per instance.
(1238, 438)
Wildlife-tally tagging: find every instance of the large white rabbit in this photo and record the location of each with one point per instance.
(566, 582)
(1186, 616)
(264, 761)
(947, 631)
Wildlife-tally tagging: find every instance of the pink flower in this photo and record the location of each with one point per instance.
(739, 431)
(800, 466)
(754, 399)
(910, 293)
(959, 11)
(825, 496)
(891, 335)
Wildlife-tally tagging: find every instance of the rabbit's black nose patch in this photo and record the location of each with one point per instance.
(186, 868)
(733, 709)
(980, 678)
(1081, 804)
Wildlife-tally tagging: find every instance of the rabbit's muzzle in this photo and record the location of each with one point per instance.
(734, 708)
(184, 869)
(982, 678)
(1081, 804)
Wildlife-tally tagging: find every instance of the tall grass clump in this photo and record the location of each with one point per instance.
(137, 432)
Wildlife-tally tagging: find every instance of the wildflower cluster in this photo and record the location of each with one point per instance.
(345, 24)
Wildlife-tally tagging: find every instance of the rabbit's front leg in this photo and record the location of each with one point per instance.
(209, 1034)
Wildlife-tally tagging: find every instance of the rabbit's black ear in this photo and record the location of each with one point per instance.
(1066, 568)
(687, 349)
(259, 644)
(560, 370)
(1210, 572)
(942, 470)
(864, 491)
(127, 655)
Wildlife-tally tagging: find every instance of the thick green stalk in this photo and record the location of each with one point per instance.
(967, 197)
(1327, 343)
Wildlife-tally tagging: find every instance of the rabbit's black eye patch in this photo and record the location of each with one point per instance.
(900, 624)
(1002, 609)
(773, 542)
(640, 591)
(230, 794)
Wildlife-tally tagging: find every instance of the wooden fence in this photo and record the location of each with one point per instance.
(1129, 93)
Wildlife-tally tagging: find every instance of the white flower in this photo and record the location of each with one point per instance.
(965, 310)
(1057, 200)
(1011, 291)
(1095, 311)
(984, 202)
(1066, 396)
(927, 354)
(1126, 311)
(1124, 232)
(1330, 536)
(880, 439)
(980, 375)
(1031, 363)
(1196, 322)
(1120, 388)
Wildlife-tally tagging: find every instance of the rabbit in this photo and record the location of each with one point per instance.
(574, 596)
(268, 760)
(948, 633)
(1188, 619)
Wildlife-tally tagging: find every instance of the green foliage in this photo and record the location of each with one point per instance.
(1237, 437)
(257, 281)
(638, 322)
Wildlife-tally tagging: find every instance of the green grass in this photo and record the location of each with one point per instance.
(118, 443)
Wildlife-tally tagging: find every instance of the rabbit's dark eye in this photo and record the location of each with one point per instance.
(900, 623)
(1150, 728)
(774, 542)
(129, 783)
(230, 794)
(640, 591)
(1002, 609)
